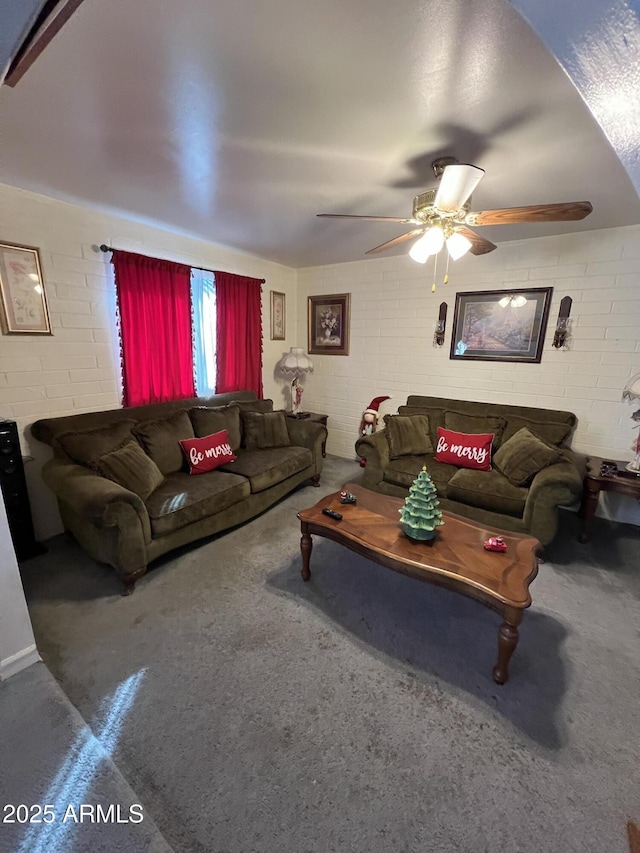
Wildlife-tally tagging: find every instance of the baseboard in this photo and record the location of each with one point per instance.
(21, 660)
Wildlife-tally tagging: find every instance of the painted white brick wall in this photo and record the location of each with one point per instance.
(393, 314)
(77, 368)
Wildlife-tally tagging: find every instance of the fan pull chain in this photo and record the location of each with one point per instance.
(435, 270)
(446, 272)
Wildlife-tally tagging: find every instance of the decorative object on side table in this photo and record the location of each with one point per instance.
(24, 302)
(328, 324)
(421, 513)
(293, 365)
(347, 497)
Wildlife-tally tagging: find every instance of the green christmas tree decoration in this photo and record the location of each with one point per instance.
(421, 513)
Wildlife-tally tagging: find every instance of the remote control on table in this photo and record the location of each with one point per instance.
(332, 513)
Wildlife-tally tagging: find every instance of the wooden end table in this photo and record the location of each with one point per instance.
(624, 483)
(455, 559)
(315, 418)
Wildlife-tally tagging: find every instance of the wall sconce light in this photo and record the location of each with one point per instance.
(441, 325)
(562, 324)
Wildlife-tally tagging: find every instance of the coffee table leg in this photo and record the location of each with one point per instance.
(507, 642)
(306, 544)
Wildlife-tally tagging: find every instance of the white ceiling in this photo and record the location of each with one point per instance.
(238, 121)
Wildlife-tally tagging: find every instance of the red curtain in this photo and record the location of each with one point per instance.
(154, 302)
(239, 329)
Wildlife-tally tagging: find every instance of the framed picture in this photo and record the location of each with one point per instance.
(278, 316)
(24, 302)
(328, 324)
(500, 325)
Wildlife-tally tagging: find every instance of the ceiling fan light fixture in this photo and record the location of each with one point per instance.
(458, 245)
(420, 250)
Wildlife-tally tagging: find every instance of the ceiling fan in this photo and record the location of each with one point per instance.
(443, 215)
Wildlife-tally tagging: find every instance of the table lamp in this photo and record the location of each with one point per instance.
(293, 365)
(631, 393)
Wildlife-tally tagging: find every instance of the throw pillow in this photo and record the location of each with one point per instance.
(252, 406)
(474, 424)
(551, 432)
(84, 447)
(265, 429)
(207, 453)
(407, 435)
(129, 466)
(207, 421)
(161, 439)
(523, 455)
(464, 450)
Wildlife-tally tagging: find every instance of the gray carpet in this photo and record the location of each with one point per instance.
(356, 712)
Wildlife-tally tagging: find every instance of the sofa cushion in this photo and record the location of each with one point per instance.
(182, 499)
(552, 432)
(407, 435)
(263, 430)
(463, 422)
(487, 490)
(523, 455)
(404, 470)
(85, 446)
(265, 468)
(207, 453)
(129, 466)
(161, 439)
(464, 450)
(208, 420)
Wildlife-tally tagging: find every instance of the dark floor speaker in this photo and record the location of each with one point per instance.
(14, 493)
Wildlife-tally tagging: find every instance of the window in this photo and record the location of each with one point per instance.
(203, 296)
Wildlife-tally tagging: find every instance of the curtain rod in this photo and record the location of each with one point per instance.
(104, 248)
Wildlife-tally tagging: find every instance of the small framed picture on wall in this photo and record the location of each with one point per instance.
(24, 302)
(278, 316)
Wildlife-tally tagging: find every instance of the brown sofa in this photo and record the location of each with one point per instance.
(524, 504)
(128, 529)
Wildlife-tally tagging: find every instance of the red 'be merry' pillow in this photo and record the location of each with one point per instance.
(466, 450)
(205, 454)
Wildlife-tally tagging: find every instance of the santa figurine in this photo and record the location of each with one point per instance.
(370, 416)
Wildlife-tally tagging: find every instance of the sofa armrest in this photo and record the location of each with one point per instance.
(308, 434)
(374, 449)
(90, 496)
(557, 485)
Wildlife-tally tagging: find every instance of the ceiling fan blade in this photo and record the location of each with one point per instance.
(456, 185)
(479, 245)
(396, 241)
(370, 218)
(566, 212)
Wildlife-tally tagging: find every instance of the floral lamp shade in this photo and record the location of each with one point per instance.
(293, 365)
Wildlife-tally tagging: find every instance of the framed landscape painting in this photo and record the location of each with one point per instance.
(500, 325)
(24, 303)
(328, 324)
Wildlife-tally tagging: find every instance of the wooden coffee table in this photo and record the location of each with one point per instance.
(455, 559)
